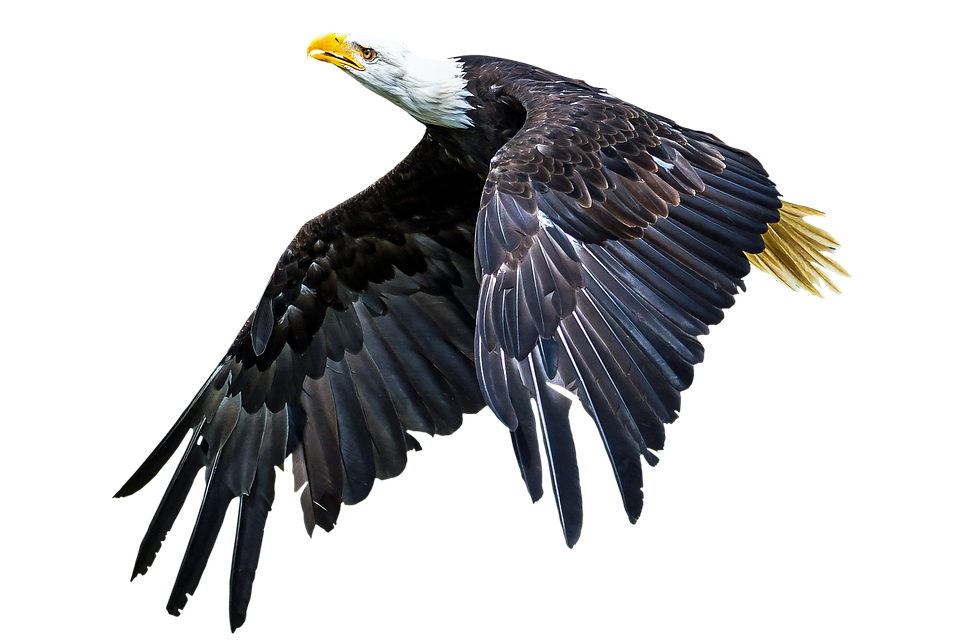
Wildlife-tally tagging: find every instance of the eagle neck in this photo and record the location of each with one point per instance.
(496, 117)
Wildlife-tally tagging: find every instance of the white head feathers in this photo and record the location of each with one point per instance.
(432, 91)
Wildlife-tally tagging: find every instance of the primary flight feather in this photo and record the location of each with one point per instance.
(543, 234)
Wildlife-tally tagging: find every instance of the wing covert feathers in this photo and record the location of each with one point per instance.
(795, 252)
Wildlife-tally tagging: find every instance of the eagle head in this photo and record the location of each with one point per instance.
(432, 91)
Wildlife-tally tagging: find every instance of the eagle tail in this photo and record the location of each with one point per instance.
(796, 251)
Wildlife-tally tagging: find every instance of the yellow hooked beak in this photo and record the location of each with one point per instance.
(336, 49)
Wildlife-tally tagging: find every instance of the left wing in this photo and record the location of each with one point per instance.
(363, 334)
(608, 240)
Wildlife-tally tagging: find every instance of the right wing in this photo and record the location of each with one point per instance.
(608, 240)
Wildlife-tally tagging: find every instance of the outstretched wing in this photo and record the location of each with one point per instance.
(607, 241)
(364, 334)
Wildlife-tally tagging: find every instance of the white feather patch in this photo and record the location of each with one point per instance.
(432, 91)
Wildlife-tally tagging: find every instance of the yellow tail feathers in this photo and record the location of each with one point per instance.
(795, 252)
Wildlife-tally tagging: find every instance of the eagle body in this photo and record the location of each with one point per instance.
(543, 241)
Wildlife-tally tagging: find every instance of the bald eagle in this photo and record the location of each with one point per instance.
(544, 241)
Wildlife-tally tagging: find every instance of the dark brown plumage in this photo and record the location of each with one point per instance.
(566, 239)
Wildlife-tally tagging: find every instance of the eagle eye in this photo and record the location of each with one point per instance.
(368, 53)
